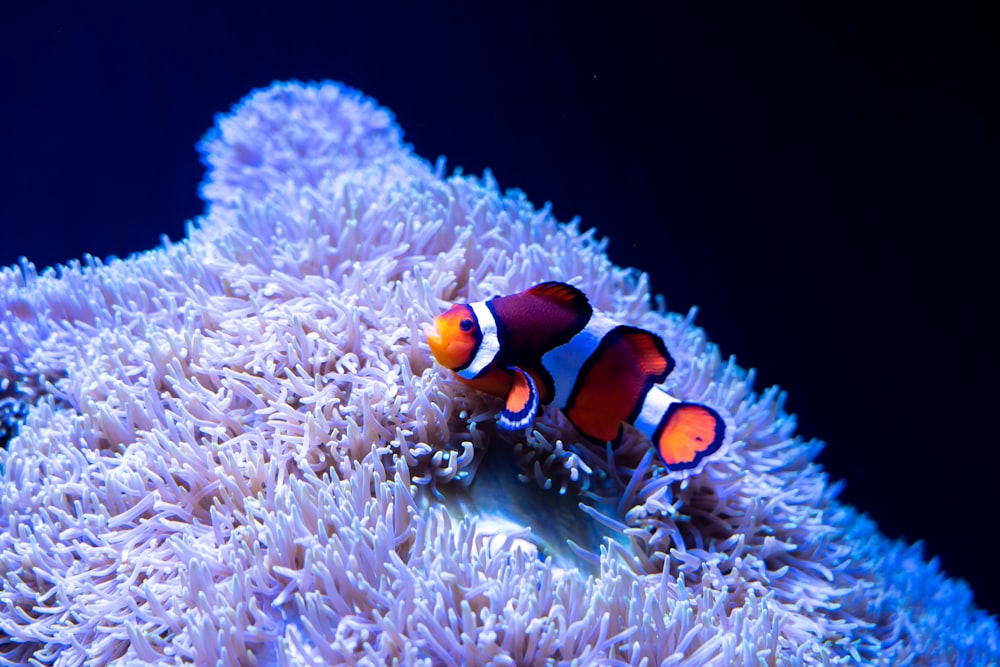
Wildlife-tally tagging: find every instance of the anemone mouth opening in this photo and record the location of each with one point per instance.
(516, 508)
(572, 503)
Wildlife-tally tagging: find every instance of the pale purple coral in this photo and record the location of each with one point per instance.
(237, 450)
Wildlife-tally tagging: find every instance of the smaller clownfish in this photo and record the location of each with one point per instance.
(548, 345)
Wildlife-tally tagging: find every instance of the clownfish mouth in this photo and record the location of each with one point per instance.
(432, 334)
(435, 341)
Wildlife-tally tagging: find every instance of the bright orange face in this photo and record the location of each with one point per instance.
(454, 336)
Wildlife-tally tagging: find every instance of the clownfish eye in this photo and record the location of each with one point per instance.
(466, 325)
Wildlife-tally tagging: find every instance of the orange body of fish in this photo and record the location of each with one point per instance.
(548, 345)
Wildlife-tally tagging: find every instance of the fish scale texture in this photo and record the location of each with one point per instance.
(236, 448)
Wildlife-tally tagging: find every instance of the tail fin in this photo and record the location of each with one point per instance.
(687, 434)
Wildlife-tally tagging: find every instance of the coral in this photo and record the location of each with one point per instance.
(236, 449)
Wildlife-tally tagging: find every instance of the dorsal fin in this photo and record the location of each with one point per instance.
(561, 292)
(650, 353)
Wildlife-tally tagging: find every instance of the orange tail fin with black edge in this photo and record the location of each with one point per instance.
(688, 433)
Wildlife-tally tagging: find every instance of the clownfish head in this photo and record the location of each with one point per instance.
(454, 338)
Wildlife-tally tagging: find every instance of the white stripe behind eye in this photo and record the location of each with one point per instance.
(489, 346)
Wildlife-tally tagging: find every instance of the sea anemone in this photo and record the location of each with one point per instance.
(237, 449)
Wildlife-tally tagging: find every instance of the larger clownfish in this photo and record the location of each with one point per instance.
(548, 345)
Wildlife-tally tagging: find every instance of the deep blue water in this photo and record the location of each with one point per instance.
(819, 183)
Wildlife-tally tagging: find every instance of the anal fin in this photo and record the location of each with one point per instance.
(595, 425)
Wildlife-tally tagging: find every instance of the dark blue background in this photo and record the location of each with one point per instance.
(819, 182)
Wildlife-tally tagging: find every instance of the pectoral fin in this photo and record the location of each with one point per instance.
(522, 402)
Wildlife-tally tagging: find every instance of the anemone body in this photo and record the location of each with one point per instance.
(236, 449)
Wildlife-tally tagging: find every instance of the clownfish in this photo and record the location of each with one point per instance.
(547, 345)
